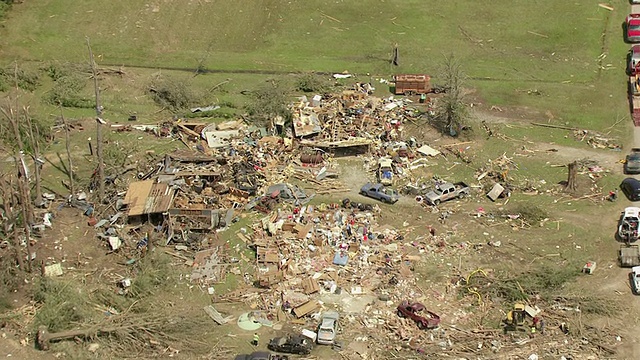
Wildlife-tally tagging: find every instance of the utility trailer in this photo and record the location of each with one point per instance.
(633, 65)
(634, 97)
(629, 256)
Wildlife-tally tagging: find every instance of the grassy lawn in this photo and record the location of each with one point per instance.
(543, 61)
(496, 41)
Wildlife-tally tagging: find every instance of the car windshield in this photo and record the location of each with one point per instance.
(325, 332)
(634, 158)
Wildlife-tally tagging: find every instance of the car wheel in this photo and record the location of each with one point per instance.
(436, 203)
(400, 314)
(461, 195)
(421, 325)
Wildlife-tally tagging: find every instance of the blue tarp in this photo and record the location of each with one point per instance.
(341, 258)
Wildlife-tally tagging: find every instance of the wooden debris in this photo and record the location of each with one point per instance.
(215, 315)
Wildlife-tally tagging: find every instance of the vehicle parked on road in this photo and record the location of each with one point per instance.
(635, 280)
(380, 192)
(417, 312)
(447, 191)
(629, 225)
(632, 162)
(632, 28)
(328, 328)
(292, 344)
(631, 188)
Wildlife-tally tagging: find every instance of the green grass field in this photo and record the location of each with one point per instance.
(507, 48)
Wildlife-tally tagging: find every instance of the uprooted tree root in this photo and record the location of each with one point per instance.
(538, 282)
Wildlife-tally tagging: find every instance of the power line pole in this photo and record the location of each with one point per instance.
(99, 123)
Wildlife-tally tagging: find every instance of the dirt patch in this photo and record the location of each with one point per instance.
(562, 155)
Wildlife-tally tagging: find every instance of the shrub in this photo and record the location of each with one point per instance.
(28, 81)
(171, 93)
(61, 305)
(66, 92)
(310, 82)
(269, 101)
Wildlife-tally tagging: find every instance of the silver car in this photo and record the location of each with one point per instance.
(328, 328)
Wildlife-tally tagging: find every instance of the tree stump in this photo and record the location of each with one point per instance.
(572, 179)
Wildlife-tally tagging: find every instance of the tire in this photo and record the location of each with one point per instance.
(436, 203)
(461, 195)
(421, 325)
(400, 314)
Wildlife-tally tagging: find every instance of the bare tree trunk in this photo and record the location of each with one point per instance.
(67, 145)
(11, 223)
(99, 122)
(23, 183)
(35, 146)
(571, 180)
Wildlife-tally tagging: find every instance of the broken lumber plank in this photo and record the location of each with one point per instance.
(456, 144)
(605, 6)
(188, 131)
(555, 126)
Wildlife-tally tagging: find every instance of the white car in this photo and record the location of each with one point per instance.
(635, 280)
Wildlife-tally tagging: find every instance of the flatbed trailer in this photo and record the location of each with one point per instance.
(634, 98)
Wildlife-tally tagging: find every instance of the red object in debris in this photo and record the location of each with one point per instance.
(92, 221)
(424, 318)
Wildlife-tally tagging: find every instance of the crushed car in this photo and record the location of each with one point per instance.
(328, 328)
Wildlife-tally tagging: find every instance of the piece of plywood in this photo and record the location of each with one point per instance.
(306, 308)
(310, 286)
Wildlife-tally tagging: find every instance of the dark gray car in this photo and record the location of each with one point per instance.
(631, 188)
(632, 162)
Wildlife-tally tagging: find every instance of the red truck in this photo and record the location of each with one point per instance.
(632, 28)
(417, 312)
